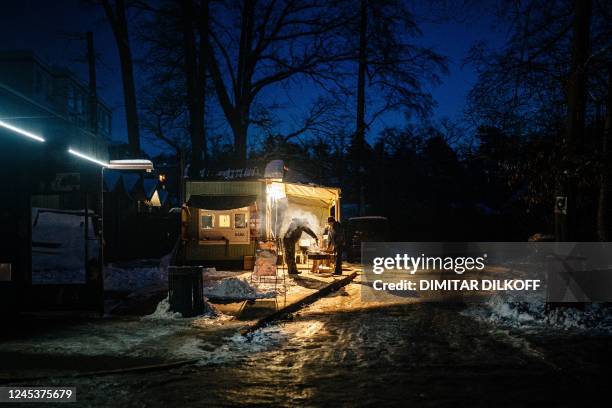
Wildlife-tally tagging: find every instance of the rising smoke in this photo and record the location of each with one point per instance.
(289, 212)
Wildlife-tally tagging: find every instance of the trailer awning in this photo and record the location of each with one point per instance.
(220, 202)
(312, 195)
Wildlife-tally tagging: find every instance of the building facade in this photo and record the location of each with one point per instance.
(51, 200)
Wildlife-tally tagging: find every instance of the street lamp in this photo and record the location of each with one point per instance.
(86, 157)
(134, 164)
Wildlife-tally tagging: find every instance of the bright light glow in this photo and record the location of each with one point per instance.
(224, 221)
(131, 164)
(155, 201)
(276, 191)
(21, 131)
(84, 156)
(305, 242)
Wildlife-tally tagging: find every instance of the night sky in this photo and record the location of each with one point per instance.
(51, 28)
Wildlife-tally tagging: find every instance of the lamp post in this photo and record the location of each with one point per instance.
(134, 164)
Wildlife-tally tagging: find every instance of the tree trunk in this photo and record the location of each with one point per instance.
(181, 174)
(576, 101)
(360, 125)
(240, 130)
(192, 85)
(203, 30)
(120, 29)
(602, 203)
(242, 91)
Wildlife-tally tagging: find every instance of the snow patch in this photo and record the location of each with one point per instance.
(519, 311)
(236, 289)
(163, 312)
(239, 347)
(135, 275)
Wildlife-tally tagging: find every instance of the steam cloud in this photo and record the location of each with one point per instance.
(290, 212)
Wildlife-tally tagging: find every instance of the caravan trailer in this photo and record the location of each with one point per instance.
(227, 218)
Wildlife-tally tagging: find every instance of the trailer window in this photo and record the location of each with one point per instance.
(207, 221)
(224, 221)
(240, 220)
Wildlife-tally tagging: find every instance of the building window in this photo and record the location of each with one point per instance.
(70, 98)
(240, 220)
(103, 122)
(79, 103)
(38, 82)
(207, 221)
(224, 221)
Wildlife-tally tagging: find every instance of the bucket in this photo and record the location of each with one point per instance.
(186, 292)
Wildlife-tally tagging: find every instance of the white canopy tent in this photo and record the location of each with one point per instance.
(313, 203)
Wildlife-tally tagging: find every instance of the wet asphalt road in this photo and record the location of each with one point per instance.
(338, 353)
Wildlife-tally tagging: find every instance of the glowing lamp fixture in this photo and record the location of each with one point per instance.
(132, 164)
(86, 157)
(276, 191)
(21, 131)
(136, 164)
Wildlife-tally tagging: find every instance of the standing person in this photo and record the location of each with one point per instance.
(293, 234)
(335, 242)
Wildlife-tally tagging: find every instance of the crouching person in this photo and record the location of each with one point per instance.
(292, 236)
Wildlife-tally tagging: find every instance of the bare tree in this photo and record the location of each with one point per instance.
(256, 44)
(195, 20)
(175, 34)
(166, 121)
(604, 180)
(360, 126)
(543, 88)
(116, 15)
(393, 64)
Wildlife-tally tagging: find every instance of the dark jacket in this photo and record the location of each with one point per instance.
(295, 230)
(335, 235)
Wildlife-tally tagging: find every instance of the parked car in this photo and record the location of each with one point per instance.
(364, 229)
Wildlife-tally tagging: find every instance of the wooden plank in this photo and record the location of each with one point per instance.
(294, 307)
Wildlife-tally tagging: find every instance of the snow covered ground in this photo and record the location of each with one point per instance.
(339, 351)
(163, 312)
(136, 275)
(511, 310)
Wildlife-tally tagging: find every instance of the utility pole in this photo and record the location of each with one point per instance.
(93, 93)
(565, 198)
(98, 276)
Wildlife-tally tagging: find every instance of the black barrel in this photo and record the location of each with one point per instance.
(186, 290)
